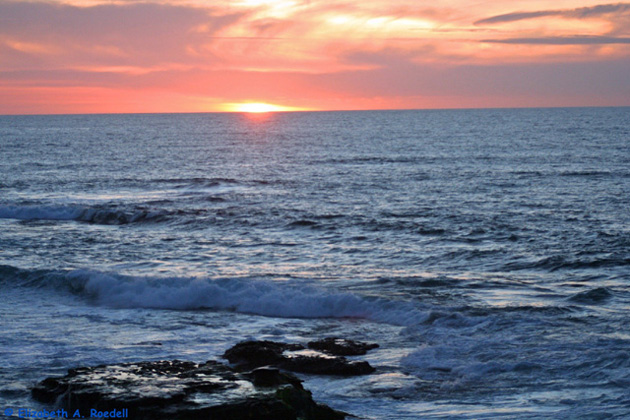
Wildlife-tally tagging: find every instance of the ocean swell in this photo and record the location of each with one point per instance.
(95, 215)
(243, 295)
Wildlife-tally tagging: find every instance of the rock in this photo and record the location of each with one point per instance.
(319, 365)
(300, 399)
(269, 376)
(341, 346)
(183, 390)
(295, 358)
(253, 354)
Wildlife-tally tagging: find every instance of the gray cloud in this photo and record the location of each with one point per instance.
(512, 17)
(579, 13)
(563, 40)
(605, 80)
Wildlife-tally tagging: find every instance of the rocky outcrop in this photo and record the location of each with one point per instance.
(341, 346)
(253, 354)
(183, 390)
(325, 357)
(256, 387)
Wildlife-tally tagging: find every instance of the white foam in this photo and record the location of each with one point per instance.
(268, 298)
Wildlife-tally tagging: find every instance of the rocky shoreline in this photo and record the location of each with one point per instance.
(256, 385)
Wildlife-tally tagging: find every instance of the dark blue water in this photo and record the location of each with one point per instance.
(487, 251)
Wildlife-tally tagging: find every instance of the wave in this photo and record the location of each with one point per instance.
(209, 182)
(303, 223)
(375, 159)
(95, 215)
(593, 296)
(594, 173)
(558, 262)
(244, 295)
(569, 173)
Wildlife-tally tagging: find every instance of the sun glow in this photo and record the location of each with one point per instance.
(258, 107)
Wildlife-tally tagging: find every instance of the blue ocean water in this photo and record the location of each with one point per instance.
(486, 251)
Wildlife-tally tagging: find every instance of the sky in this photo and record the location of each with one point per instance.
(111, 56)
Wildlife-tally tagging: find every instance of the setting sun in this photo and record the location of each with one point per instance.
(258, 107)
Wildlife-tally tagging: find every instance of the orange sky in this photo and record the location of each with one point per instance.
(86, 56)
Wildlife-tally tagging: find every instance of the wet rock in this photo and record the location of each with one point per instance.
(183, 390)
(341, 346)
(319, 364)
(269, 376)
(253, 354)
(300, 399)
(295, 358)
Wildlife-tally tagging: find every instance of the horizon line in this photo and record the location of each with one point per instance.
(315, 111)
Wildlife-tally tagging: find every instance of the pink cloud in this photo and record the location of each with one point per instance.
(131, 34)
(326, 55)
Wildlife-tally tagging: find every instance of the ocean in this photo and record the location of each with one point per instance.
(487, 252)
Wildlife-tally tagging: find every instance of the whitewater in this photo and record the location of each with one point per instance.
(487, 252)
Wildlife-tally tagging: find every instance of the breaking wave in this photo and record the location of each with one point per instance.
(243, 295)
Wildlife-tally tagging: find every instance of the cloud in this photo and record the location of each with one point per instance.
(402, 84)
(578, 13)
(52, 35)
(536, 84)
(563, 40)
(334, 54)
(387, 57)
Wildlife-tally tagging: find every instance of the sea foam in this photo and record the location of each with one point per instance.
(244, 295)
(261, 297)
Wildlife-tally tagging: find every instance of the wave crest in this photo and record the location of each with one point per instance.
(243, 295)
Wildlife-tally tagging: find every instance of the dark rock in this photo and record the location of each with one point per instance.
(327, 366)
(183, 390)
(293, 357)
(252, 354)
(270, 376)
(341, 346)
(301, 400)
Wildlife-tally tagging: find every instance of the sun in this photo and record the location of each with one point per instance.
(258, 107)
